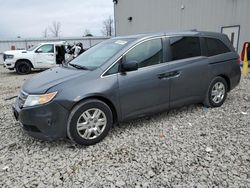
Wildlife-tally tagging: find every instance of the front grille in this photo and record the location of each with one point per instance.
(21, 99)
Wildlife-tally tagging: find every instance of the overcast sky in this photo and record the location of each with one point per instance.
(29, 18)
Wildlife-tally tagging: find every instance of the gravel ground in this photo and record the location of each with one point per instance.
(188, 147)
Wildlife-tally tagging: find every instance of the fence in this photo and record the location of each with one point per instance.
(22, 44)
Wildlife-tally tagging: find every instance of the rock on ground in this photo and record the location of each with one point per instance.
(188, 147)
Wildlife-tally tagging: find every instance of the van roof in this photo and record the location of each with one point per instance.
(186, 33)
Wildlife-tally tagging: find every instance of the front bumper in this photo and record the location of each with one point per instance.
(9, 63)
(45, 122)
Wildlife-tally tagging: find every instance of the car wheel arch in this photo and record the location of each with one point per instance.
(106, 101)
(227, 80)
(207, 100)
(27, 60)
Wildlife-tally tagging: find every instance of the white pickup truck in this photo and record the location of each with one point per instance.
(42, 56)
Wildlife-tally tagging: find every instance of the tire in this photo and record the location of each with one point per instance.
(86, 128)
(220, 93)
(23, 67)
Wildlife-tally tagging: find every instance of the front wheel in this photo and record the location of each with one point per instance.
(89, 122)
(217, 92)
(23, 67)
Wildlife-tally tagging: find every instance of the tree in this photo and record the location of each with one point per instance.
(45, 33)
(55, 29)
(108, 28)
(87, 33)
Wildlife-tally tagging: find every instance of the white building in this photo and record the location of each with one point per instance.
(228, 16)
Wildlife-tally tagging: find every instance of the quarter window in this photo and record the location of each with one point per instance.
(147, 53)
(185, 47)
(47, 48)
(215, 47)
(114, 69)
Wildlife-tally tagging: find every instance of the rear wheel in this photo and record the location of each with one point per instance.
(217, 92)
(23, 67)
(89, 122)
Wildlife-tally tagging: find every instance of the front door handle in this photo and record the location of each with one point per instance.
(175, 74)
(161, 76)
(169, 74)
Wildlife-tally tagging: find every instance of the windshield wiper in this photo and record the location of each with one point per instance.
(78, 66)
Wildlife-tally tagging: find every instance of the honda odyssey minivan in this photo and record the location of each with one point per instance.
(124, 78)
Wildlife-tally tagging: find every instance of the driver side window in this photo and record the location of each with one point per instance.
(147, 53)
(46, 48)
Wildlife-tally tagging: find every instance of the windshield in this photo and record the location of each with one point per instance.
(101, 53)
(32, 48)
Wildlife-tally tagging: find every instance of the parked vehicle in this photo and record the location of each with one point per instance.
(42, 56)
(126, 78)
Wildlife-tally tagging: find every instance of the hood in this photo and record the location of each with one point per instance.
(13, 52)
(45, 80)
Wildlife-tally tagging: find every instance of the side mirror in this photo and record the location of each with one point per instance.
(129, 66)
(39, 51)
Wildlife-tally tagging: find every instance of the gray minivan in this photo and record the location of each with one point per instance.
(125, 78)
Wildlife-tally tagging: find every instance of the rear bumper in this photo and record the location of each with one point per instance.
(45, 122)
(235, 78)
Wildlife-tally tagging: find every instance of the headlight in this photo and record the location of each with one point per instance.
(9, 56)
(33, 100)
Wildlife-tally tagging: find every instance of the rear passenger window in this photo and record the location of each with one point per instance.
(215, 47)
(185, 47)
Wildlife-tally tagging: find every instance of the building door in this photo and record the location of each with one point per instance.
(233, 33)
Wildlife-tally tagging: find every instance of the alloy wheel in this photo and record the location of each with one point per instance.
(218, 92)
(91, 123)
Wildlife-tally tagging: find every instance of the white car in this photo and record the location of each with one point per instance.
(42, 56)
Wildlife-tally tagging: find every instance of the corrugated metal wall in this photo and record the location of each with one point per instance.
(178, 15)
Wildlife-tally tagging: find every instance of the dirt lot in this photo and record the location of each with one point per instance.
(189, 147)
